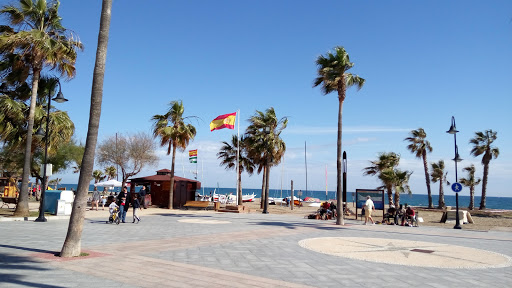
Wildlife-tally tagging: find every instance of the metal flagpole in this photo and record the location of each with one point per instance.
(238, 193)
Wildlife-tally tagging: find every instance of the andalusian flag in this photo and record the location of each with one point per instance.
(192, 156)
(223, 121)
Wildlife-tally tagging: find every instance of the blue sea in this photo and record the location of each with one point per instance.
(504, 203)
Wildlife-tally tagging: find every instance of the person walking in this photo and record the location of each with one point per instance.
(136, 208)
(368, 207)
(123, 203)
(95, 199)
(142, 194)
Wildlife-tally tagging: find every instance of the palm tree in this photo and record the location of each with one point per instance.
(420, 147)
(98, 176)
(438, 174)
(45, 43)
(228, 156)
(265, 146)
(333, 76)
(398, 179)
(110, 172)
(173, 133)
(386, 161)
(483, 145)
(72, 246)
(470, 182)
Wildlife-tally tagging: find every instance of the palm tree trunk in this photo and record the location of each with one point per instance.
(484, 186)
(339, 153)
(397, 198)
(471, 197)
(441, 193)
(390, 197)
(239, 183)
(263, 185)
(72, 244)
(22, 206)
(427, 180)
(171, 188)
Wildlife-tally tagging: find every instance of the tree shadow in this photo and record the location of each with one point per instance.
(18, 279)
(295, 225)
(24, 265)
(183, 215)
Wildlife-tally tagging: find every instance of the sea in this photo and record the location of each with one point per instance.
(500, 203)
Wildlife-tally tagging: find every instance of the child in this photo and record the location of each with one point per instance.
(111, 207)
(136, 207)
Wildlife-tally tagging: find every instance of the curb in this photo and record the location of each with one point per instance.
(48, 218)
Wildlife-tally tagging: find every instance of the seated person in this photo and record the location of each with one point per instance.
(409, 216)
(391, 213)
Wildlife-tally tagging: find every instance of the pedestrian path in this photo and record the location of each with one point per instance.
(208, 249)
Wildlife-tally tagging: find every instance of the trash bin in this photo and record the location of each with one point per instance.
(57, 202)
(216, 206)
(50, 200)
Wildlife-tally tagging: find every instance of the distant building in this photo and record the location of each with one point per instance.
(158, 187)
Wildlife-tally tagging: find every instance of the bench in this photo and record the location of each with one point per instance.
(197, 204)
(9, 200)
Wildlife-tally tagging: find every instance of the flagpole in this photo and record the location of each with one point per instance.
(238, 193)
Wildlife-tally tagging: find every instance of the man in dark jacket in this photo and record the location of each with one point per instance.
(142, 194)
(123, 202)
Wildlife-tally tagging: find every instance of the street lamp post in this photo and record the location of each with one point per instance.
(343, 199)
(59, 99)
(456, 187)
(266, 130)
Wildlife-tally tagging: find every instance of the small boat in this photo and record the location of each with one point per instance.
(248, 197)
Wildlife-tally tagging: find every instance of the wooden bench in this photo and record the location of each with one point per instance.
(197, 204)
(9, 200)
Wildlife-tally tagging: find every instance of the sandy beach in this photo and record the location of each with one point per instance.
(486, 220)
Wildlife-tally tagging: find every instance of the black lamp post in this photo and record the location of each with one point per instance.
(456, 187)
(342, 200)
(266, 130)
(59, 99)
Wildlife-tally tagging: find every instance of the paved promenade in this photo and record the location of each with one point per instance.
(208, 249)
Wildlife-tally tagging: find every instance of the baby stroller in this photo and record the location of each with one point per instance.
(114, 218)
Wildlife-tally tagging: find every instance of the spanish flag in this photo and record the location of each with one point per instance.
(223, 121)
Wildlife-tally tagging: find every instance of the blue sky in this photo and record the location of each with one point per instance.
(423, 61)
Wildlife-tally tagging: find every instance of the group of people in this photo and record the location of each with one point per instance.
(328, 208)
(123, 202)
(405, 214)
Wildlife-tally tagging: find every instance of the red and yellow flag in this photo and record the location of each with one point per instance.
(223, 121)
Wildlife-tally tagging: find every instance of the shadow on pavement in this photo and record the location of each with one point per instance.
(17, 279)
(295, 225)
(183, 215)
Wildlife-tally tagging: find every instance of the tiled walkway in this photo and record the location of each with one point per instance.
(209, 249)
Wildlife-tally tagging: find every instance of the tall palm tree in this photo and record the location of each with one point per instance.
(44, 43)
(420, 147)
(265, 146)
(72, 244)
(173, 133)
(227, 155)
(333, 76)
(386, 161)
(110, 172)
(470, 181)
(438, 174)
(483, 145)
